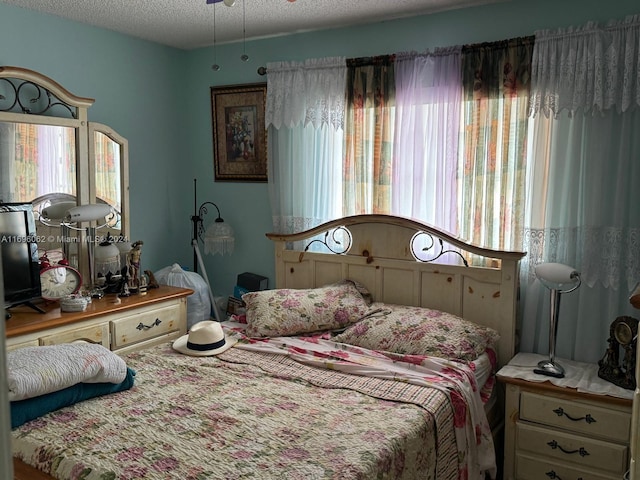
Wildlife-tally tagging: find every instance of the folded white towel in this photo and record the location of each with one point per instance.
(34, 371)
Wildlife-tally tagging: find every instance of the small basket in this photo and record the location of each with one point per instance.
(73, 303)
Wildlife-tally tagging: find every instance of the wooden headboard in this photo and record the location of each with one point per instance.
(380, 255)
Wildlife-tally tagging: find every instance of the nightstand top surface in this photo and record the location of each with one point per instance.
(583, 377)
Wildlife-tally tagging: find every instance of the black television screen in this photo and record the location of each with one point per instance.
(20, 266)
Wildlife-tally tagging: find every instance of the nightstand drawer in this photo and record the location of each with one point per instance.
(532, 468)
(145, 325)
(579, 451)
(573, 415)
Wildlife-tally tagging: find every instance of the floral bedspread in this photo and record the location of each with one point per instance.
(253, 414)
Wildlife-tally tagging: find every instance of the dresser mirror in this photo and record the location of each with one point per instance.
(51, 154)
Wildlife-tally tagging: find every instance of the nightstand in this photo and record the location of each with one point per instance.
(569, 428)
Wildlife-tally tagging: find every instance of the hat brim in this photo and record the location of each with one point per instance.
(180, 345)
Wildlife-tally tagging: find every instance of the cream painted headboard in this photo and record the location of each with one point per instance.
(380, 257)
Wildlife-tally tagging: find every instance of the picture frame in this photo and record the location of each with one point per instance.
(239, 135)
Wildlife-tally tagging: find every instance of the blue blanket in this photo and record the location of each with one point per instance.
(23, 411)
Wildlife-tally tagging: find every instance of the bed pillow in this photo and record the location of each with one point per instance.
(24, 411)
(287, 312)
(419, 331)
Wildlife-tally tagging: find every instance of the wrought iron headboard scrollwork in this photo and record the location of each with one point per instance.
(434, 242)
(334, 240)
(332, 237)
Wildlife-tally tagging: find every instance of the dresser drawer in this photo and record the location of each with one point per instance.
(15, 346)
(575, 450)
(93, 334)
(532, 468)
(145, 325)
(606, 423)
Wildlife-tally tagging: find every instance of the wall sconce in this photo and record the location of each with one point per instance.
(558, 278)
(217, 238)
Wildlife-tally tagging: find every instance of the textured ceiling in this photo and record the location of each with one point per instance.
(188, 24)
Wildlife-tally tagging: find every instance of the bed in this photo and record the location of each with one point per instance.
(340, 392)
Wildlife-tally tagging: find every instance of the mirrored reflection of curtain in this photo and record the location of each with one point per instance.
(305, 118)
(492, 168)
(583, 190)
(107, 165)
(25, 183)
(44, 161)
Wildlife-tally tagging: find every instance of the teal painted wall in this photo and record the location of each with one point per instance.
(159, 98)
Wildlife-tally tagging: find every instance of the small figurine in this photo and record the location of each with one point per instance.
(133, 265)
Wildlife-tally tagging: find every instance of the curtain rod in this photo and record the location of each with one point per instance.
(441, 50)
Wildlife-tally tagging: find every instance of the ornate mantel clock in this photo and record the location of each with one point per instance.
(623, 337)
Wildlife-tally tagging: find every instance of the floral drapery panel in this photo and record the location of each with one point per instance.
(492, 167)
(369, 135)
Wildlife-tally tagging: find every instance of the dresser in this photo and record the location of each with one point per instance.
(120, 324)
(558, 431)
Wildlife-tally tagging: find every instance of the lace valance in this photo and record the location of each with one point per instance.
(310, 92)
(605, 255)
(591, 68)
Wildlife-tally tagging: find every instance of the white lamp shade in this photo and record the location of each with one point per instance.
(557, 275)
(57, 211)
(88, 213)
(107, 258)
(219, 239)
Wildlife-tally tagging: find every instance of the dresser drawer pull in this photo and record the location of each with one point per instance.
(582, 451)
(588, 418)
(142, 326)
(554, 476)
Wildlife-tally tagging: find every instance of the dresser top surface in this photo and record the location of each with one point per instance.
(26, 320)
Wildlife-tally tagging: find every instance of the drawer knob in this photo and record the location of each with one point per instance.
(587, 418)
(582, 451)
(142, 326)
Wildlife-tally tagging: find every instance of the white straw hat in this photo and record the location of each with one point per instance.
(205, 338)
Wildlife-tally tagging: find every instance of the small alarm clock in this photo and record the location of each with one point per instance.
(58, 280)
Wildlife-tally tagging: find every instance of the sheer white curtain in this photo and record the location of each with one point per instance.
(305, 118)
(583, 191)
(425, 150)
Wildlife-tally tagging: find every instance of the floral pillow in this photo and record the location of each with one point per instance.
(286, 312)
(419, 331)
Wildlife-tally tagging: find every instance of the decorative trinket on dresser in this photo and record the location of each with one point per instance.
(133, 267)
(623, 335)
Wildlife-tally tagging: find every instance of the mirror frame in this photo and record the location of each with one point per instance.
(75, 109)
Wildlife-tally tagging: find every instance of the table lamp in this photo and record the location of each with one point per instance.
(90, 213)
(559, 279)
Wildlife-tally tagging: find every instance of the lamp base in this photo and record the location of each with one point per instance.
(549, 368)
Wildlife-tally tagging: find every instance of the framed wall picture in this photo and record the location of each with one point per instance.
(239, 136)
